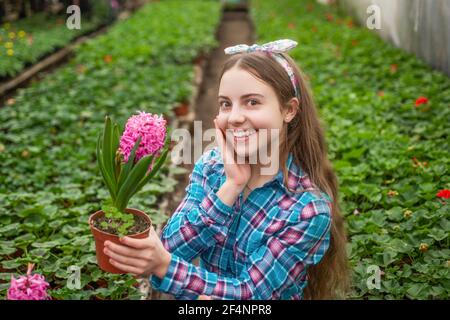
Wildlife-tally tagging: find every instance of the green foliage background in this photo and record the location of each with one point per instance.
(49, 179)
(391, 158)
(366, 90)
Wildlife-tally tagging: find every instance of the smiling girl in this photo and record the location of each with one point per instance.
(275, 235)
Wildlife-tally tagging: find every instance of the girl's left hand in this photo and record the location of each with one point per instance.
(140, 256)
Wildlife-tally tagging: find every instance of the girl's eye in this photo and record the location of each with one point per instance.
(223, 104)
(253, 102)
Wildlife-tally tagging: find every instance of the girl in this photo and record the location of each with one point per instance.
(259, 236)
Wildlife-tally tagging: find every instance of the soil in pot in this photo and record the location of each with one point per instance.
(141, 228)
(140, 225)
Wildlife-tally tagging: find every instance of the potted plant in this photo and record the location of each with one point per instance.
(126, 163)
(182, 109)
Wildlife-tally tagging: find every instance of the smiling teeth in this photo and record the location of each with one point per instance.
(241, 133)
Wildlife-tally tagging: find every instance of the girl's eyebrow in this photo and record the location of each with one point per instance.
(244, 96)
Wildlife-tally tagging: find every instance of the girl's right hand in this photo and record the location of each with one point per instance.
(237, 174)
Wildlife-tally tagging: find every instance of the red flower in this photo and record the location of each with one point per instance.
(291, 25)
(445, 193)
(108, 58)
(421, 100)
(394, 68)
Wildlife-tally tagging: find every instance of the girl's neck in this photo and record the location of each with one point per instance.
(258, 178)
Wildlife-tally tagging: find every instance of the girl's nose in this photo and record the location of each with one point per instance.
(236, 116)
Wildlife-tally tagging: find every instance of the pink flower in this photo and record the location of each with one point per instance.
(151, 128)
(445, 193)
(421, 100)
(115, 4)
(29, 287)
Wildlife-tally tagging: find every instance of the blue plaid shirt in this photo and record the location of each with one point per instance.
(258, 249)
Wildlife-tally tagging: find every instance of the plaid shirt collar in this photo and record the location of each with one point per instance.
(297, 179)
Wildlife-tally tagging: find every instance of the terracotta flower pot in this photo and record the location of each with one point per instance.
(101, 236)
(182, 109)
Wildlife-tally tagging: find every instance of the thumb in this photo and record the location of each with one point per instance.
(153, 232)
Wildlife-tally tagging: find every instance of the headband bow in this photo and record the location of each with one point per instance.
(273, 49)
(274, 46)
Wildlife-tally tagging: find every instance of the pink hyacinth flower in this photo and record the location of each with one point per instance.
(29, 287)
(152, 130)
(115, 4)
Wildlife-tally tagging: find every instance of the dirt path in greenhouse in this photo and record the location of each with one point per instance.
(235, 28)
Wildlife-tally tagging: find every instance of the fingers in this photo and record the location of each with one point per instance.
(124, 260)
(220, 141)
(224, 145)
(135, 243)
(126, 268)
(219, 137)
(229, 149)
(124, 250)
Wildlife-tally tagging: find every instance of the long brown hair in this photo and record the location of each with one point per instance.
(305, 138)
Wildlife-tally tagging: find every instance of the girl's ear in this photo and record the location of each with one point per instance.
(292, 109)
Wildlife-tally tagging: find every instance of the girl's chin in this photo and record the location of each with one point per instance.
(245, 151)
(247, 147)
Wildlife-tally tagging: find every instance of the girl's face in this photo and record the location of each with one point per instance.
(247, 105)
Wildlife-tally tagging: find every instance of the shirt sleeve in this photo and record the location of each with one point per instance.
(270, 269)
(200, 221)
